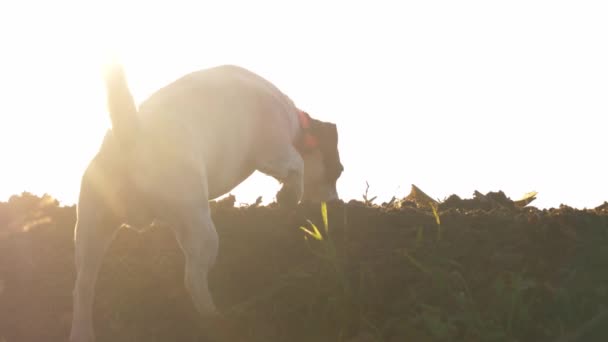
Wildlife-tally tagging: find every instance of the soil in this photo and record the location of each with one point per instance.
(487, 271)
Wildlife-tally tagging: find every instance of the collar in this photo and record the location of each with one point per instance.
(306, 141)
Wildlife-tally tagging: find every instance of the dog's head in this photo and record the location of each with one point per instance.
(322, 165)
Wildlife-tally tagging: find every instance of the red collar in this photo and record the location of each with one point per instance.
(304, 119)
(306, 141)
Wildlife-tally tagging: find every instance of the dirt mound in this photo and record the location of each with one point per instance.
(483, 270)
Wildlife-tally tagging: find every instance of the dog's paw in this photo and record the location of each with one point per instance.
(287, 197)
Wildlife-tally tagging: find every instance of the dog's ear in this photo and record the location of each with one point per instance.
(121, 106)
(326, 132)
(327, 135)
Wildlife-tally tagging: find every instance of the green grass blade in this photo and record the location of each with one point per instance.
(435, 213)
(324, 215)
(315, 233)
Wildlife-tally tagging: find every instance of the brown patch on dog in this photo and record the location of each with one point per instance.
(327, 136)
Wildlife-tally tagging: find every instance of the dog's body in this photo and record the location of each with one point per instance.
(193, 140)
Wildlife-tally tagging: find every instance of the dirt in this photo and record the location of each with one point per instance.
(487, 271)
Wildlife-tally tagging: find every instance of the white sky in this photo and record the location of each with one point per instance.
(453, 96)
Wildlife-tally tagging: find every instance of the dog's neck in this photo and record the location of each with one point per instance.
(306, 141)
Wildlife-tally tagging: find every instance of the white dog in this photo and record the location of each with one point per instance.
(192, 141)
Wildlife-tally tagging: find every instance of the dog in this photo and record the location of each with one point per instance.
(190, 142)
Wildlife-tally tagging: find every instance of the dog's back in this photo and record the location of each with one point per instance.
(218, 117)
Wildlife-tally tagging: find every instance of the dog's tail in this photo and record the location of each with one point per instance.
(123, 113)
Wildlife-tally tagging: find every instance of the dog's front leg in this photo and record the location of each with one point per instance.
(291, 192)
(288, 168)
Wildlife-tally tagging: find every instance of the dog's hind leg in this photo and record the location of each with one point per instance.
(93, 233)
(195, 232)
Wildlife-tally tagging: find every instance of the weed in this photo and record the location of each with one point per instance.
(437, 219)
(368, 201)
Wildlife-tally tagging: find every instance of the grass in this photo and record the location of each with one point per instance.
(501, 312)
(341, 301)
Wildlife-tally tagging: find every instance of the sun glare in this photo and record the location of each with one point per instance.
(54, 124)
(488, 88)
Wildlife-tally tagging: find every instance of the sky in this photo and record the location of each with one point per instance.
(452, 96)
